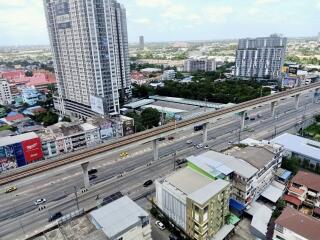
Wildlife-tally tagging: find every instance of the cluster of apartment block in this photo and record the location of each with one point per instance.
(261, 58)
(14, 83)
(200, 198)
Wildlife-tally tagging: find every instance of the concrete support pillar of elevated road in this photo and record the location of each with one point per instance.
(297, 100)
(205, 133)
(243, 119)
(155, 150)
(273, 108)
(316, 95)
(85, 174)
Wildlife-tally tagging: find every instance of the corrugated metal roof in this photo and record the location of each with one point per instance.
(299, 145)
(138, 104)
(272, 193)
(240, 166)
(118, 216)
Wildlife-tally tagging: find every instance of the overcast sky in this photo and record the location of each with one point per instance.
(22, 22)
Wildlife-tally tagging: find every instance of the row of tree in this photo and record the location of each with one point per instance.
(147, 119)
(203, 87)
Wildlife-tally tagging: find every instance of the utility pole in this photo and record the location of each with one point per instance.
(77, 200)
(205, 108)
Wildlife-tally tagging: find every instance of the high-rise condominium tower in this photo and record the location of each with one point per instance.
(89, 41)
(261, 57)
(141, 42)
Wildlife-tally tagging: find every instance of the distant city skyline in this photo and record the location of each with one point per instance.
(22, 22)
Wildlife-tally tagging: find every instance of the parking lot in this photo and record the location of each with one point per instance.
(156, 233)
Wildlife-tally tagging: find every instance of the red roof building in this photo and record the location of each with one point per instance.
(40, 80)
(292, 200)
(292, 224)
(308, 180)
(14, 118)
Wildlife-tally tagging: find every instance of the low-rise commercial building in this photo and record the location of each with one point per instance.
(303, 148)
(122, 219)
(32, 96)
(293, 225)
(66, 137)
(168, 75)
(251, 170)
(200, 64)
(19, 150)
(196, 203)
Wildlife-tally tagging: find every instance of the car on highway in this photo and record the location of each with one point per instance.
(11, 189)
(171, 138)
(91, 177)
(189, 141)
(161, 139)
(55, 216)
(92, 171)
(40, 201)
(181, 161)
(160, 225)
(199, 146)
(206, 147)
(147, 183)
(230, 142)
(124, 154)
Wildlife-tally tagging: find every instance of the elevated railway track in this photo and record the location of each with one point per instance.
(149, 135)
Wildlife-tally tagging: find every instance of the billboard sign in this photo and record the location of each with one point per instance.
(97, 104)
(293, 70)
(32, 150)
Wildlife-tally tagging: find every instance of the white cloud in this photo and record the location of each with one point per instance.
(153, 3)
(12, 3)
(266, 1)
(175, 11)
(144, 21)
(20, 22)
(215, 14)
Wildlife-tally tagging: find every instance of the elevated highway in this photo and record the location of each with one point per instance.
(155, 133)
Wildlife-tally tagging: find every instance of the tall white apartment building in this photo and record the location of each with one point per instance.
(5, 93)
(90, 47)
(260, 57)
(200, 64)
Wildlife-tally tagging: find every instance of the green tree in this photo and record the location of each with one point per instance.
(150, 117)
(280, 205)
(137, 121)
(46, 118)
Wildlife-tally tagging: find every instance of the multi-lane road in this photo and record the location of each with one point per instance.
(19, 215)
